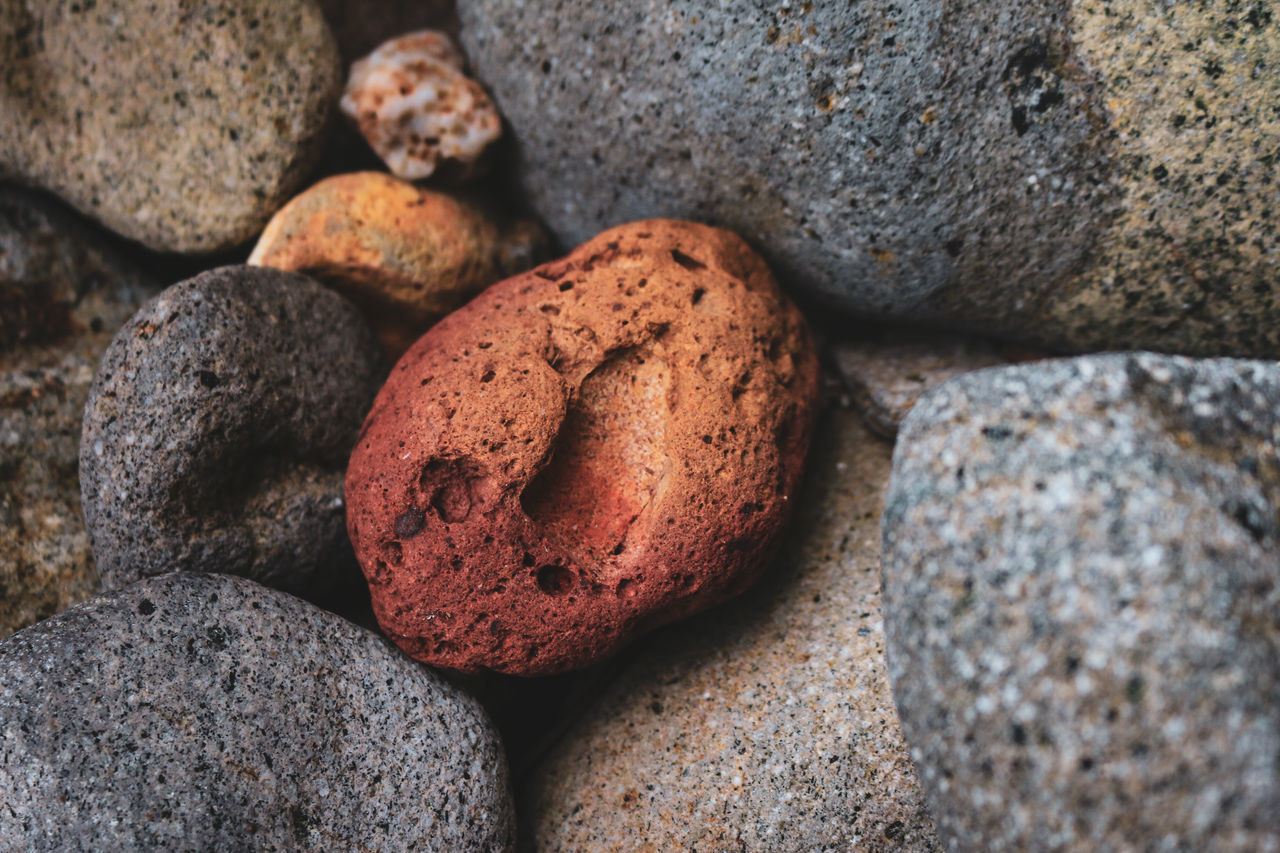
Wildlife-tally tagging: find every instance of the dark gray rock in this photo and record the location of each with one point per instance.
(765, 725)
(217, 431)
(183, 126)
(1072, 173)
(205, 712)
(1082, 583)
(64, 290)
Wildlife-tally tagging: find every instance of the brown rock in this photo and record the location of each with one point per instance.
(601, 445)
(406, 256)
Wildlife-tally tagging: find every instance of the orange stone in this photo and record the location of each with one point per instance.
(405, 256)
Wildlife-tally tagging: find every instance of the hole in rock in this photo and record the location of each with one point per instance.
(687, 262)
(555, 580)
(448, 487)
(607, 459)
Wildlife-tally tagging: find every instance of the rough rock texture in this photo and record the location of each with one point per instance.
(601, 445)
(178, 124)
(767, 724)
(405, 256)
(1080, 173)
(361, 25)
(205, 712)
(887, 373)
(217, 428)
(1081, 594)
(416, 107)
(63, 292)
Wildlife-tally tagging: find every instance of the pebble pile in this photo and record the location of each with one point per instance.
(701, 443)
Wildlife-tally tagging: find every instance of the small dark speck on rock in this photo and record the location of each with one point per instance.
(409, 523)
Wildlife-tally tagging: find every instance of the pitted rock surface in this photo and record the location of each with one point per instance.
(64, 290)
(1081, 584)
(183, 126)
(206, 712)
(601, 445)
(1077, 173)
(767, 724)
(217, 428)
(405, 256)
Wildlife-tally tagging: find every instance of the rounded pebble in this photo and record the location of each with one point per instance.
(206, 712)
(217, 428)
(601, 445)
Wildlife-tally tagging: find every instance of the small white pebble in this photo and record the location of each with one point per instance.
(416, 108)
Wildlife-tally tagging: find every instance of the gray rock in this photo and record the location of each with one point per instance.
(64, 290)
(205, 712)
(217, 431)
(886, 373)
(1073, 173)
(765, 725)
(182, 126)
(1082, 584)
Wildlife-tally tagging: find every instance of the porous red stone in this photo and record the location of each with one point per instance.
(601, 445)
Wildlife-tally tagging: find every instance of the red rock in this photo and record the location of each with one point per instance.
(601, 445)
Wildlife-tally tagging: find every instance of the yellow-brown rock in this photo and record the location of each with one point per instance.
(404, 255)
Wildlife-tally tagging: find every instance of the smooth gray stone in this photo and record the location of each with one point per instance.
(206, 712)
(1075, 174)
(1082, 604)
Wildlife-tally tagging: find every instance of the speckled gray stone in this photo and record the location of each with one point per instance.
(886, 373)
(766, 725)
(206, 712)
(1082, 585)
(1079, 173)
(217, 431)
(64, 290)
(181, 125)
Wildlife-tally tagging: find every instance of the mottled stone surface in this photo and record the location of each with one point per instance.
(417, 108)
(1079, 173)
(405, 256)
(1081, 596)
(181, 125)
(886, 373)
(766, 725)
(217, 430)
(206, 712)
(63, 292)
